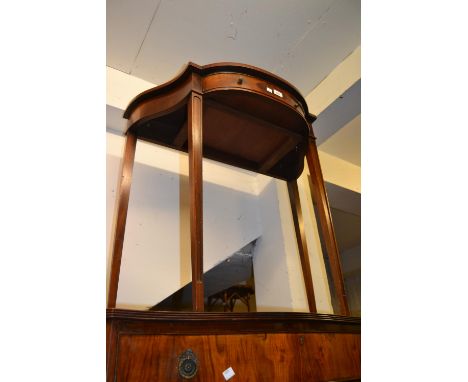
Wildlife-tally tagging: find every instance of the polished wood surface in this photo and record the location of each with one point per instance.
(278, 347)
(320, 197)
(195, 151)
(229, 81)
(302, 243)
(185, 75)
(253, 357)
(124, 195)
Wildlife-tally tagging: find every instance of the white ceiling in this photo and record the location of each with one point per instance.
(300, 40)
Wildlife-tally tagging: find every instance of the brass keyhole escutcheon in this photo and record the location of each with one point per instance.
(188, 364)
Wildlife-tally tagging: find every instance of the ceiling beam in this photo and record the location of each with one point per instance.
(340, 172)
(340, 79)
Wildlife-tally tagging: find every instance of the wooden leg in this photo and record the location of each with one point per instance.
(301, 243)
(124, 194)
(320, 196)
(195, 150)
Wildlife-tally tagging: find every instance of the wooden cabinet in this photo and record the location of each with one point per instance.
(269, 347)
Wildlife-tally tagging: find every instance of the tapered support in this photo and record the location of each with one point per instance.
(301, 243)
(195, 151)
(124, 194)
(320, 196)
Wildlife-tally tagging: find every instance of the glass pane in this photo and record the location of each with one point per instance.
(229, 287)
(345, 207)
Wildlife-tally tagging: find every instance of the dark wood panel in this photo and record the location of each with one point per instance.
(262, 108)
(331, 356)
(253, 357)
(145, 345)
(278, 153)
(227, 131)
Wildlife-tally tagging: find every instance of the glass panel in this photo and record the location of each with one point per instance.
(345, 207)
(229, 287)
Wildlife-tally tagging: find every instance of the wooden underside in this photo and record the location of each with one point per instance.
(248, 121)
(145, 346)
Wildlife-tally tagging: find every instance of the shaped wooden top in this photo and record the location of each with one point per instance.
(252, 119)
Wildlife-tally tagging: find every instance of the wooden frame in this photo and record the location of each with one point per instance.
(259, 100)
(249, 118)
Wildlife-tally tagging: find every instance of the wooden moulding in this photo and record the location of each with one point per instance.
(195, 323)
(186, 76)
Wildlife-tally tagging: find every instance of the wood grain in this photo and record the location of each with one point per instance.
(280, 346)
(253, 357)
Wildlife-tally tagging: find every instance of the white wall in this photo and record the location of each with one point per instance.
(156, 252)
(239, 206)
(272, 290)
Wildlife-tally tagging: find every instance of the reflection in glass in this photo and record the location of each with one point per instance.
(229, 287)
